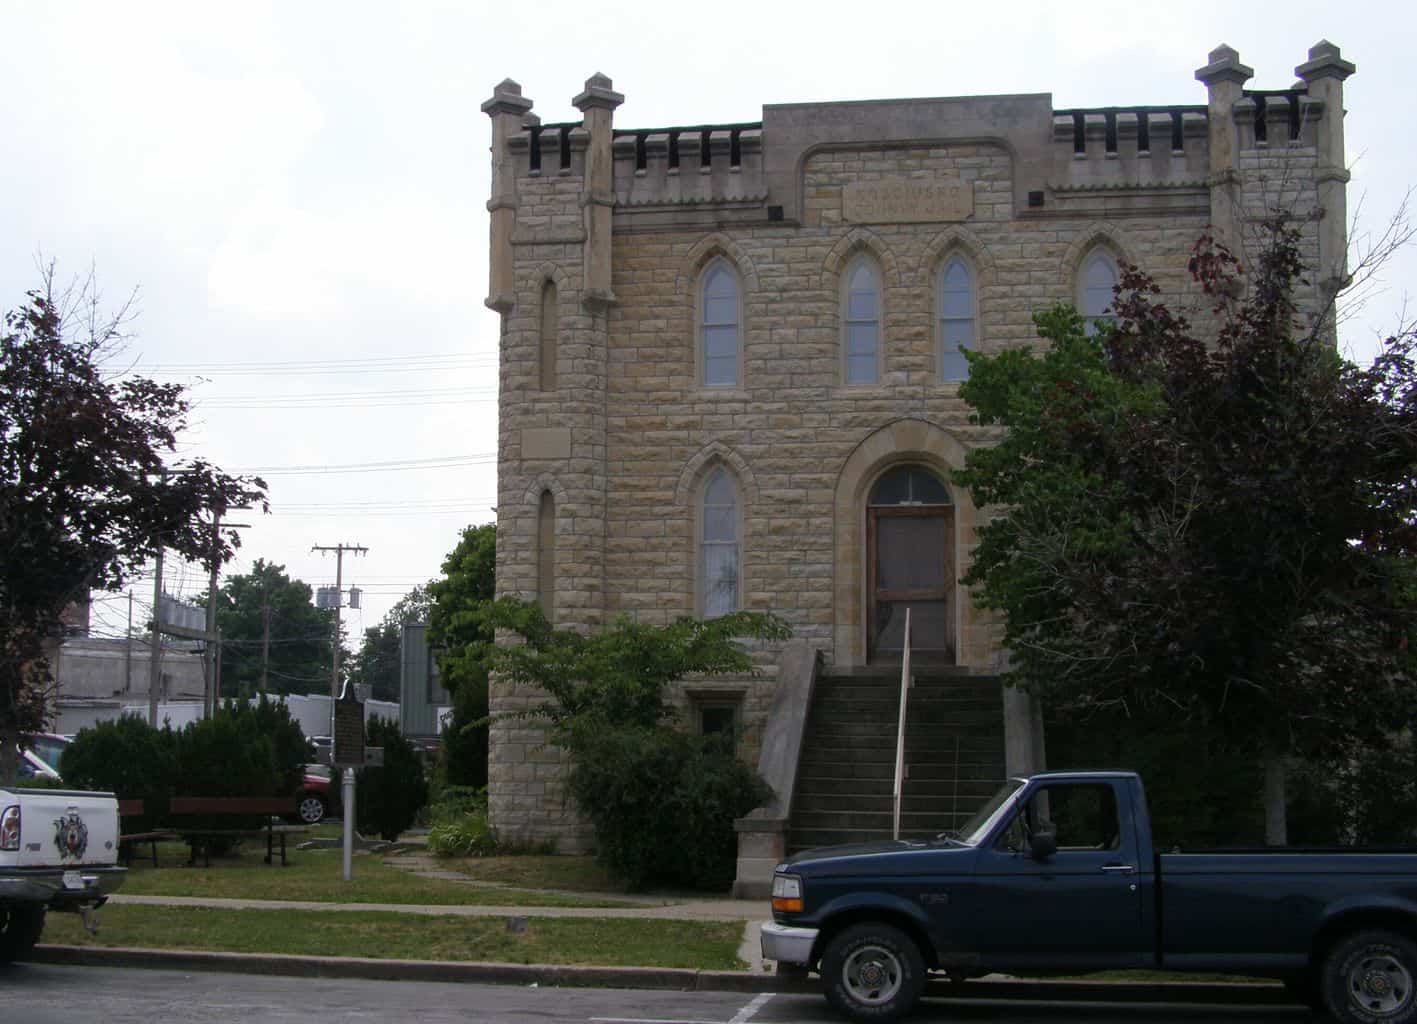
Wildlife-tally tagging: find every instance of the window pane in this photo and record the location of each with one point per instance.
(926, 488)
(861, 340)
(861, 305)
(953, 365)
(860, 369)
(720, 311)
(721, 342)
(719, 489)
(1099, 278)
(892, 489)
(957, 304)
(956, 276)
(721, 371)
(957, 333)
(720, 579)
(720, 284)
(720, 523)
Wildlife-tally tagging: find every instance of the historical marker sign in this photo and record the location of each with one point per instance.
(907, 201)
(349, 730)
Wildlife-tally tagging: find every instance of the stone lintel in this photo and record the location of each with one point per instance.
(1224, 66)
(507, 98)
(1325, 61)
(598, 95)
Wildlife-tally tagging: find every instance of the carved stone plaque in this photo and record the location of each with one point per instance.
(906, 201)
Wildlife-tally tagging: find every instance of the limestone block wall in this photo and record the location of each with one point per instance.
(627, 435)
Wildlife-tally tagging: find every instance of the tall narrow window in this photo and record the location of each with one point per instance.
(718, 326)
(548, 336)
(956, 305)
(718, 546)
(861, 322)
(1096, 289)
(546, 555)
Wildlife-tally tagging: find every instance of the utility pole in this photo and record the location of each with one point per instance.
(211, 697)
(155, 649)
(265, 632)
(339, 550)
(128, 648)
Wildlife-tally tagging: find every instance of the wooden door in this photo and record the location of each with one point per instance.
(910, 564)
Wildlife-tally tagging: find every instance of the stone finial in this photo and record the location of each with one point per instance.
(507, 98)
(598, 93)
(1224, 66)
(1325, 62)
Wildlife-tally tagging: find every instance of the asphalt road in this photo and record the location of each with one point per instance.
(50, 994)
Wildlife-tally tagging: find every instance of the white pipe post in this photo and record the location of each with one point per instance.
(900, 732)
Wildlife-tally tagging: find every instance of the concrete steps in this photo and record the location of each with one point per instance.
(954, 758)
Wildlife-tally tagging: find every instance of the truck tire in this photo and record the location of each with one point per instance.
(20, 928)
(1368, 979)
(873, 972)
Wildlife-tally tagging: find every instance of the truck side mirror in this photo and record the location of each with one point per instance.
(1043, 845)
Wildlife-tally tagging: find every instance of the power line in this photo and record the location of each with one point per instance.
(441, 462)
(356, 364)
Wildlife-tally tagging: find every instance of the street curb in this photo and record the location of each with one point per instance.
(655, 978)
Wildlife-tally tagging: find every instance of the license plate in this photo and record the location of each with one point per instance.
(73, 880)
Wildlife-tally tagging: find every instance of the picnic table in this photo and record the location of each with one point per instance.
(204, 835)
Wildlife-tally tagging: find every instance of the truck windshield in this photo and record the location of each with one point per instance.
(974, 830)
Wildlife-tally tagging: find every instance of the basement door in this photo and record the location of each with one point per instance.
(910, 564)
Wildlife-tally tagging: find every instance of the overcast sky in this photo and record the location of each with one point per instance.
(297, 192)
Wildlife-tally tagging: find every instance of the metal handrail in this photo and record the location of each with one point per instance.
(905, 683)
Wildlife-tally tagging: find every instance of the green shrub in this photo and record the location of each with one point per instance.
(449, 803)
(662, 803)
(466, 836)
(388, 799)
(129, 758)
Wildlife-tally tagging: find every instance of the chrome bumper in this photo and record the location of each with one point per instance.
(788, 945)
(58, 888)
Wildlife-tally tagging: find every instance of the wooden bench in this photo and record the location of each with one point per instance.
(218, 806)
(128, 840)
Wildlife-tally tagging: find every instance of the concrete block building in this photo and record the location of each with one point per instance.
(730, 365)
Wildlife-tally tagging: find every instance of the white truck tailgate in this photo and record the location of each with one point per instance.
(61, 828)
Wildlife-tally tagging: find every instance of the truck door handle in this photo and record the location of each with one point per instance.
(1118, 869)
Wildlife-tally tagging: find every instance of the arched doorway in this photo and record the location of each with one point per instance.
(910, 560)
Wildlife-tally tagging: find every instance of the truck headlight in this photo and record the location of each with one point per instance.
(787, 893)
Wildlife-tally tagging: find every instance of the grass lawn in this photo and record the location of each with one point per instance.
(317, 875)
(708, 945)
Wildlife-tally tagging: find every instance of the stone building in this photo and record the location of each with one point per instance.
(730, 363)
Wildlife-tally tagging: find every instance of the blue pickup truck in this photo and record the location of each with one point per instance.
(1057, 874)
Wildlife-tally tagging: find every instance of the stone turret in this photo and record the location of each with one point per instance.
(1224, 78)
(1324, 74)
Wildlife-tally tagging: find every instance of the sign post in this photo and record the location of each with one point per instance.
(348, 753)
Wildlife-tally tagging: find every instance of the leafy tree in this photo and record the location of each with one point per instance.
(297, 657)
(90, 486)
(457, 617)
(1215, 531)
(458, 630)
(662, 802)
(376, 664)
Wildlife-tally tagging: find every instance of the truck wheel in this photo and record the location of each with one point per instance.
(1368, 977)
(20, 928)
(873, 972)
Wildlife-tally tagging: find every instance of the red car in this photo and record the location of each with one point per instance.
(318, 795)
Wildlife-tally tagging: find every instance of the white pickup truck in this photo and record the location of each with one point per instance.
(58, 851)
